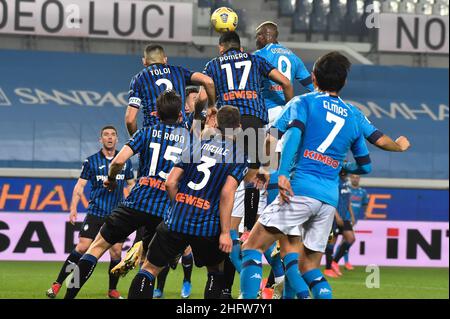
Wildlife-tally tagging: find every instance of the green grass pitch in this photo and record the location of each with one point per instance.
(32, 279)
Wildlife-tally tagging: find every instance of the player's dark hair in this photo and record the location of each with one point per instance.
(228, 117)
(331, 71)
(151, 48)
(230, 39)
(191, 89)
(168, 105)
(108, 127)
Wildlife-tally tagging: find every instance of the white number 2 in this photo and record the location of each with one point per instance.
(230, 81)
(204, 168)
(170, 155)
(167, 83)
(334, 132)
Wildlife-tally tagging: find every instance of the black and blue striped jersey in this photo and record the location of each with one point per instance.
(238, 77)
(206, 167)
(159, 147)
(95, 170)
(147, 85)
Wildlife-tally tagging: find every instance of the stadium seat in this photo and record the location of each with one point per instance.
(300, 19)
(352, 19)
(334, 18)
(205, 3)
(440, 8)
(286, 8)
(242, 14)
(389, 6)
(222, 3)
(406, 6)
(318, 23)
(423, 7)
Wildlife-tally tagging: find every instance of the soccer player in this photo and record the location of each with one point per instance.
(323, 128)
(238, 77)
(202, 192)
(343, 225)
(158, 147)
(359, 201)
(156, 77)
(101, 204)
(289, 64)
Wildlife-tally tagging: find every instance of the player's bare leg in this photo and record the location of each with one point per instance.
(69, 266)
(116, 254)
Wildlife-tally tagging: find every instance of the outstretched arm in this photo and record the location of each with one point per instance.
(279, 78)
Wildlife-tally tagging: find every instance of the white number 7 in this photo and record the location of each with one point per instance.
(334, 132)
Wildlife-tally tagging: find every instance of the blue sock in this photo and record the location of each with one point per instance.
(288, 292)
(235, 255)
(294, 277)
(275, 263)
(319, 286)
(346, 259)
(251, 274)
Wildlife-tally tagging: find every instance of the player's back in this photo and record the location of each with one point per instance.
(289, 64)
(206, 169)
(147, 85)
(330, 130)
(238, 77)
(159, 147)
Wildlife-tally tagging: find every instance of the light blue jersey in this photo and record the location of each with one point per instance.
(321, 130)
(290, 65)
(359, 201)
(370, 132)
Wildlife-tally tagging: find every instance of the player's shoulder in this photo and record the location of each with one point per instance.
(92, 157)
(176, 67)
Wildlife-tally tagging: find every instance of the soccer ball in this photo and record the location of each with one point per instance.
(224, 19)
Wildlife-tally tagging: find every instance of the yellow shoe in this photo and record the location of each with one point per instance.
(276, 250)
(131, 260)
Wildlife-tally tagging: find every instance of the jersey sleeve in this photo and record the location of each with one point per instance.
(135, 94)
(208, 69)
(370, 132)
(129, 171)
(365, 198)
(360, 151)
(282, 121)
(86, 170)
(264, 66)
(299, 114)
(187, 75)
(137, 142)
(239, 171)
(303, 75)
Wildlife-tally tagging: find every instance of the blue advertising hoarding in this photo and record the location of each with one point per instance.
(52, 106)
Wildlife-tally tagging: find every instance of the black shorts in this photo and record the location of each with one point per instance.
(91, 226)
(166, 245)
(253, 150)
(123, 221)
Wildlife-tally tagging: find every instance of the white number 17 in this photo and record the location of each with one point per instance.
(334, 132)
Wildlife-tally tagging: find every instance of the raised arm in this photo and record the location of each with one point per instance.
(131, 119)
(279, 78)
(208, 83)
(172, 181)
(116, 166)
